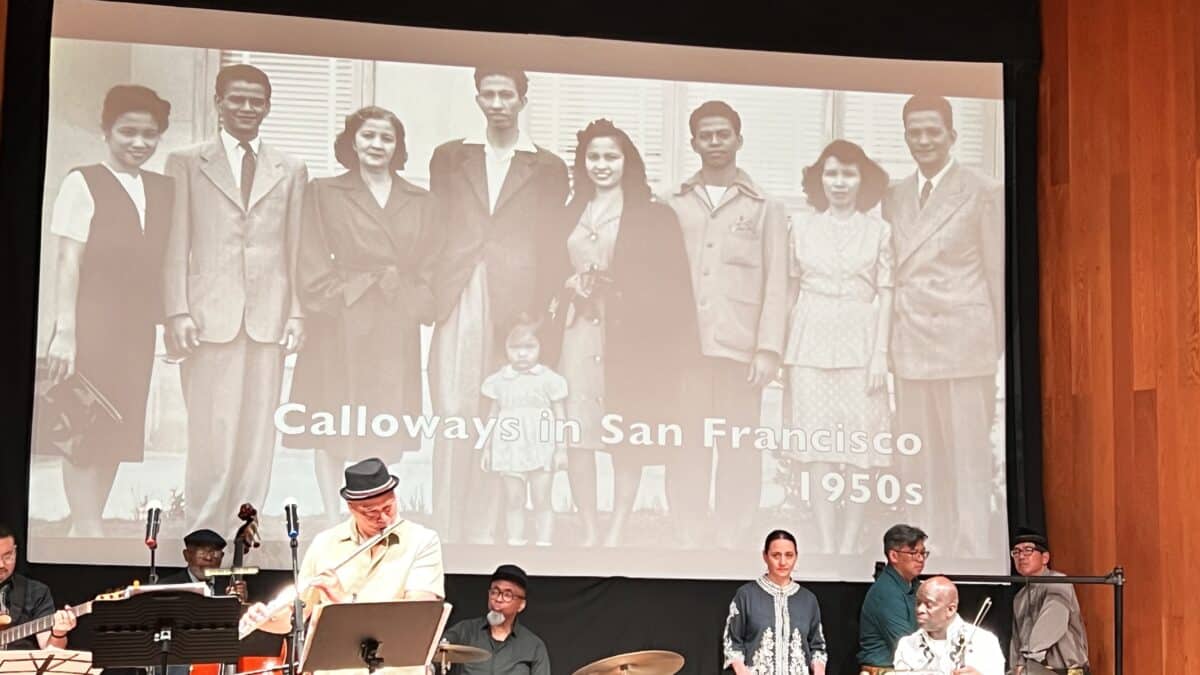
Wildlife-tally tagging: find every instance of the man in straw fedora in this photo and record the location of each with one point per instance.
(405, 565)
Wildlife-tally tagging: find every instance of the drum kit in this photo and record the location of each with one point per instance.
(649, 662)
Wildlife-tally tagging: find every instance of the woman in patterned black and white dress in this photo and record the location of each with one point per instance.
(774, 624)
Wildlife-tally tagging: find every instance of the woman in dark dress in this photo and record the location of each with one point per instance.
(624, 298)
(366, 245)
(110, 223)
(774, 623)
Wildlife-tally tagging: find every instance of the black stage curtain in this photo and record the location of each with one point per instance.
(586, 619)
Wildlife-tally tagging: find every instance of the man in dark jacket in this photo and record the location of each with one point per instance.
(23, 600)
(499, 196)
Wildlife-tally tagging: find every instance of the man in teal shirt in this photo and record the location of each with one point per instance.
(889, 610)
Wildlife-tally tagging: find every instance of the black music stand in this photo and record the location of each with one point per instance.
(374, 635)
(45, 662)
(165, 627)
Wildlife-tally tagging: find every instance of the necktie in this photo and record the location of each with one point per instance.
(925, 192)
(247, 172)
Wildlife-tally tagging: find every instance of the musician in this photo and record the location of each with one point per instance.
(944, 640)
(406, 565)
(1047, 625)
(515, 649)
(23, 600)
(889, 611)
(204, 550)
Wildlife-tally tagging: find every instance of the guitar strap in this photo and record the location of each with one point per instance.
(15, 598)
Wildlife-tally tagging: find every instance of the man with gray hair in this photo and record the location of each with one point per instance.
(889, 610)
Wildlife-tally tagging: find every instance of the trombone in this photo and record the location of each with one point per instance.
(287, 596)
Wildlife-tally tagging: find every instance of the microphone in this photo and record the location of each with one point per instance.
(293, 517)
(153, 520)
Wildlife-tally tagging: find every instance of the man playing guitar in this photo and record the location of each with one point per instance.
(23, 599)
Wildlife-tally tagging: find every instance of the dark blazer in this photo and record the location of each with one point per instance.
(510, 241)
(364, 284)
(651, 335)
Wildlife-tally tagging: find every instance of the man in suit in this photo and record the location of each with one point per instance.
(230, 300)
(499, 196)
(948, 230)
(736, 239)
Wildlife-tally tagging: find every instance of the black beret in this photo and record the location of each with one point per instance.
(204, 538)
(1028, 535)
(511, 573)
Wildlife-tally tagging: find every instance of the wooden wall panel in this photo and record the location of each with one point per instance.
(1119, 194)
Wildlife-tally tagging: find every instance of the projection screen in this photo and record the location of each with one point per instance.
(565, 363)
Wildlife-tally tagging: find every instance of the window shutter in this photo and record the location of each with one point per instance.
(784, 130)
(874, 121)
(562, 105)
(310, 98)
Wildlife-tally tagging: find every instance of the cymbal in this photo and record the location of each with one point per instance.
(459, 654)
(648, 662)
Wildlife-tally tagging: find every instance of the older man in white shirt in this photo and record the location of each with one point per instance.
(945, 643)
(405, 565)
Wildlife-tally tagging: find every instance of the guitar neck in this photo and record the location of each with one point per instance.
(22, 631)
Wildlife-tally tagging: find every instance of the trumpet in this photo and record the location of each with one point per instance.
(287, 596)
(964, 638)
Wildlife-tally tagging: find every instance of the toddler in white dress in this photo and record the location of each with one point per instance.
(527, 402)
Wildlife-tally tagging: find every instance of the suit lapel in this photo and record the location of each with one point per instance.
(360, 195)
(383, 218)
(267, 173)
(399, 199)
(519, 173)
(215, 165)
(472, 168)
(943, 202)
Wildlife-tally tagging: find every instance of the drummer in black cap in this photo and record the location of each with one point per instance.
(1048, 633)
(514, 648)
(203, 550)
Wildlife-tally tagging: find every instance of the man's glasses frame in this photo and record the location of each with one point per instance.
(504, 594)
(919, 554)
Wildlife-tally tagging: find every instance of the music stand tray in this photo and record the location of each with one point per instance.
(165, 627)
(45, 662)
(374, 635)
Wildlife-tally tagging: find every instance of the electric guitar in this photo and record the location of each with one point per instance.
(29, 628)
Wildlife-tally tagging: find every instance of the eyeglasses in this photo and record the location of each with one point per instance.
(10, 557)
(208, 554)
(918, 554)
(504, 594)
(1021, 552)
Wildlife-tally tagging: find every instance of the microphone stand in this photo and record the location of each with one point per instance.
(153, 566)
(153, 522)
(297, 638)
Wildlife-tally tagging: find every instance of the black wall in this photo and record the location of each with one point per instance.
(583, 619)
